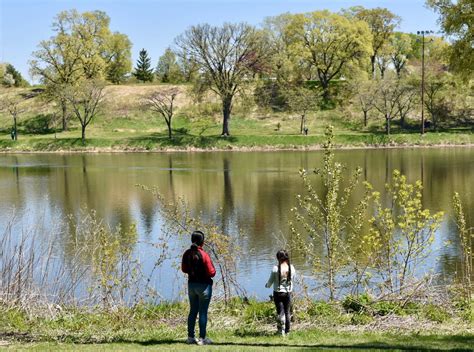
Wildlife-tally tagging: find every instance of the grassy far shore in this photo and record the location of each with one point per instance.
(237, 327)
(123, 125)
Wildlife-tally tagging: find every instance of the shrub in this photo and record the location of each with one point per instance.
(262, 312)
(388, 307)
(435, 313)
(356, 303)
(322, 309)
(361, 319)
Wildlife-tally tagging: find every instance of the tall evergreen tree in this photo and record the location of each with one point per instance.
(143, 71)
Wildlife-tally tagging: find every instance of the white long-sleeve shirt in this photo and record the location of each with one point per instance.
(283, 285)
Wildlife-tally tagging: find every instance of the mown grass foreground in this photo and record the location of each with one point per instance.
(240, 326)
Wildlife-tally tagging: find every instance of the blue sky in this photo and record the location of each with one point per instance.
(153, 25)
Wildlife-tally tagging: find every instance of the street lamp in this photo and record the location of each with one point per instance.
(423, 33)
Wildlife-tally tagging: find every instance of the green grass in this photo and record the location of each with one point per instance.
(308, 340)
(238, 326)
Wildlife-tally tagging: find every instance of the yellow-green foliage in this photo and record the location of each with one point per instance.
(110, 254)
(401, 234)
(465, 235)
(326, 226)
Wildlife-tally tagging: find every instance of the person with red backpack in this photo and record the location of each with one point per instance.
(200, 269)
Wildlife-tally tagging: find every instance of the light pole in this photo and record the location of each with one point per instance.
(422, 33)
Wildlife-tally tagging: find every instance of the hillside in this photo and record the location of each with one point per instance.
(123, 123)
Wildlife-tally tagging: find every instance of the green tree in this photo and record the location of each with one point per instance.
(227, 56)
(167, 69)
(383, 59)
(457, 20)
(119, 58)
(329, 43)
(283, 68)
(82, 47)
(381, 22)
(143, 71)
(401, 44)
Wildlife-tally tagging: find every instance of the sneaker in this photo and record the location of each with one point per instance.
(206, 341)
(192, 341)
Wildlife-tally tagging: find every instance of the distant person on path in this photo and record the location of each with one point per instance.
(282, 278)
(198, 265)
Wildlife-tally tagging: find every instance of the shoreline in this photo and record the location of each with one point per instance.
(267, 148)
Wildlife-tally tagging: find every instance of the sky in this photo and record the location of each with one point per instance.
(153, 24)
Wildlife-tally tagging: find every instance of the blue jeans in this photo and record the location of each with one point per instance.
(199, 299)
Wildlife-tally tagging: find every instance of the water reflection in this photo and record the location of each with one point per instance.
(253, 190)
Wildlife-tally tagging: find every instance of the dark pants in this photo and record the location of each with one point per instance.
(283, 306)
(199, 298)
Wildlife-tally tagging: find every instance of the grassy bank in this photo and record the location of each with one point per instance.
(124, 125)
(241, 326)
(123, 141)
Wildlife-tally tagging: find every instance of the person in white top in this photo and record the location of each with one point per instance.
(282, 278)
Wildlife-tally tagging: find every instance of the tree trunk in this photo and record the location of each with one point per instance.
(83, 129)
(64, 114)
(365, 118)
(302, 124)
(402, 119)
(226, 110)
(15, 137)
(387, 127)
(168, 123)
(372, 63)
(325, 86)
(398, 70)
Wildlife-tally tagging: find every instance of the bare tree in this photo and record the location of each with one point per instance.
(12, 105)
(389, 92)
(301, 101)
(406, 102)
(85, 99)
(366, 93)
(227, 56)
(162, 102)
(435, 84)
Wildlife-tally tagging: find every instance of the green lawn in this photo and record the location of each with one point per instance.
(147, 133)
(308, 340)
(238, 326)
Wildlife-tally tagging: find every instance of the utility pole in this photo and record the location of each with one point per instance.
(423, 78)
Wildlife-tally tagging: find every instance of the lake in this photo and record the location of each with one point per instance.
(254, 190)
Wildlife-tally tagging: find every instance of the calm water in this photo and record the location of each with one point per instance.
(254, 189)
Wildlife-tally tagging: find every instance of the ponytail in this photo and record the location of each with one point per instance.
(282, 256)
(193, 259)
